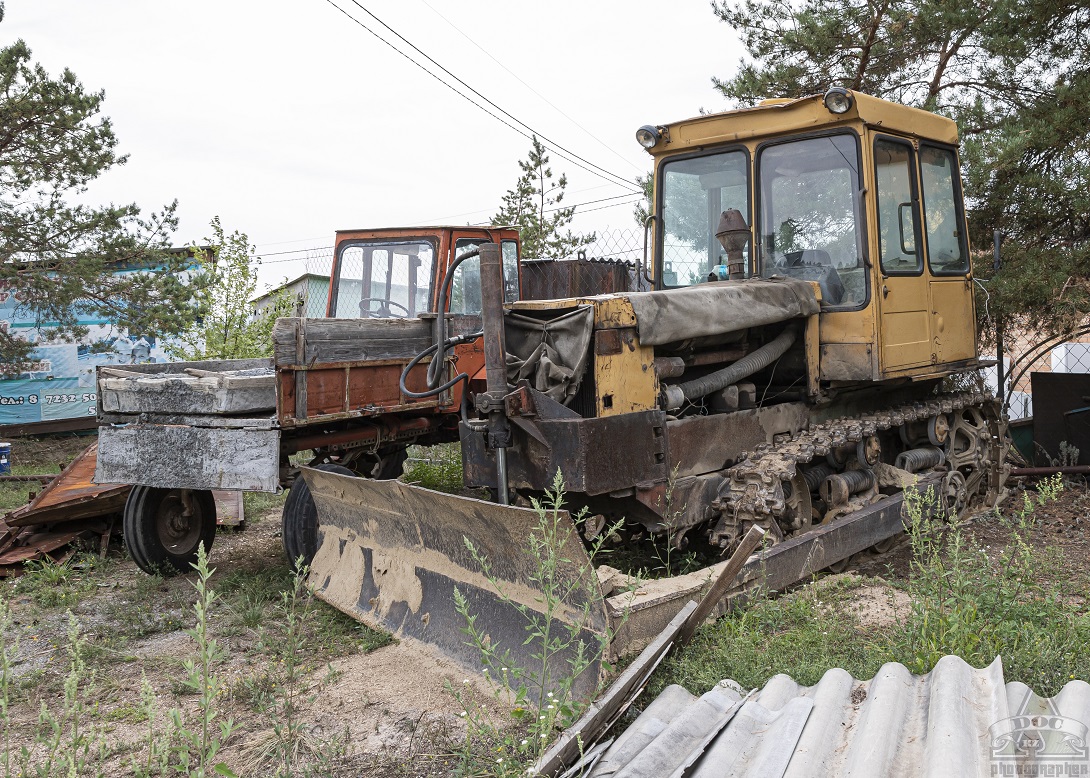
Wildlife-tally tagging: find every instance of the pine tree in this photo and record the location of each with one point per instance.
(58, 259)
(533, 206)
(1014, 74)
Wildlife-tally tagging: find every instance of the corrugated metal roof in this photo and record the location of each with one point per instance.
(954, 721)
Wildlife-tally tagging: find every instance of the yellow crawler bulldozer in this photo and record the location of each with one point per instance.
(806, 349)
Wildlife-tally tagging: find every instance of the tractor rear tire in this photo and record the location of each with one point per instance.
(163, 528)
(299, 530)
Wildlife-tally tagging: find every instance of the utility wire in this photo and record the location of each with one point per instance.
(559, 150)
(555, 107)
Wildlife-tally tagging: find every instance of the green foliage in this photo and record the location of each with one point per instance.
(59, 258)
(644, 207)
(277, 695)
(964, 599)
(803, 634)
(977, 602)
(227, 328)
(541, 696)
(52, 584)
(436, 467)
(196, 749)
(533, 206)
(1014, 75)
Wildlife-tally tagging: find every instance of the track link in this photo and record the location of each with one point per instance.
(756, 492)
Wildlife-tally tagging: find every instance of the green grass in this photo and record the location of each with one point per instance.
(435, 467)
(964, 599)
(802, 634)
(257, 504)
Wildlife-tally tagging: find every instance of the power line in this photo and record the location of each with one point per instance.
(559, 150)
(555, 107)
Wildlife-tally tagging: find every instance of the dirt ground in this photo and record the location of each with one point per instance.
(382, 710)
(385, 711)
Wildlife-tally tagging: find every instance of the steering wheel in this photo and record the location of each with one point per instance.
(379, 314)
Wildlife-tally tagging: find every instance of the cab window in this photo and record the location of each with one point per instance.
(696, 192)
(384, 279)
(898, 231)
(810, 216)
(947, 250)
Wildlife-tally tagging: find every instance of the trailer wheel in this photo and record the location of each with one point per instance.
(300, 525)
(164, 527)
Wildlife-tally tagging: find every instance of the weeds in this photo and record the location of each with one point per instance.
(278, 696)
(441, 470)
(53, 584)
(962, 598)
(8, 651)
(977, 602)
(197, 749)
(542, 696)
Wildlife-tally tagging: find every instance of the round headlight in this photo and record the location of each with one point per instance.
(647, 136)
(838, 100)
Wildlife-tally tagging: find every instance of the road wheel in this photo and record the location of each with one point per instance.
(300, 524)
(165, 527)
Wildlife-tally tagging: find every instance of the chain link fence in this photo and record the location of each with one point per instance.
(1025, 354)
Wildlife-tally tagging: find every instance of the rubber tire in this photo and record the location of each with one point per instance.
(142, 539)
(299, 530)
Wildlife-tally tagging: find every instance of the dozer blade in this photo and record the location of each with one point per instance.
(391, 555)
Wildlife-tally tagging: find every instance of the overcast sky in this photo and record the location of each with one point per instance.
(290, 121)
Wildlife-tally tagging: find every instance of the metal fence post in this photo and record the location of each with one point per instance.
(997, 238)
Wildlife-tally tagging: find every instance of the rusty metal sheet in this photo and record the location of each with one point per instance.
(595, 456)
(391, 555)
(72, 495)
(548, 279)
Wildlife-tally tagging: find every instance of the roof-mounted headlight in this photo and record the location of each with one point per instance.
(838, 100)
(647, 136)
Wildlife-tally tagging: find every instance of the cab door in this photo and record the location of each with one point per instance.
(903, 289)
(953, 320)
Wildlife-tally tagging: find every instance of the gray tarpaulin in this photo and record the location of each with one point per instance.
(712, 309)
(551, 354)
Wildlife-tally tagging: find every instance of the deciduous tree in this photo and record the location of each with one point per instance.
(227, 326)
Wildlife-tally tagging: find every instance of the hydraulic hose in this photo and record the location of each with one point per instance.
(733, 373)
(435, 369)
(431, 391)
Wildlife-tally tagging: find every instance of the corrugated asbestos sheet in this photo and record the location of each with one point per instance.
(954, 721)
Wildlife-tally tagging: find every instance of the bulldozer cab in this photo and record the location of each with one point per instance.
(855, 194)
(397, 274)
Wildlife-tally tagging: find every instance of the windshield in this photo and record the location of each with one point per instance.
(384, 279)
(695, 193)
(809, 216)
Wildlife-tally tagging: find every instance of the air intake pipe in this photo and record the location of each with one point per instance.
(675, 396)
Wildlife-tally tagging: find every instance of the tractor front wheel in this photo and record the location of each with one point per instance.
(300, 524)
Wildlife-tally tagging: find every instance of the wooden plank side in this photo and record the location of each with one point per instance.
(605, 710)
(349, 340)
